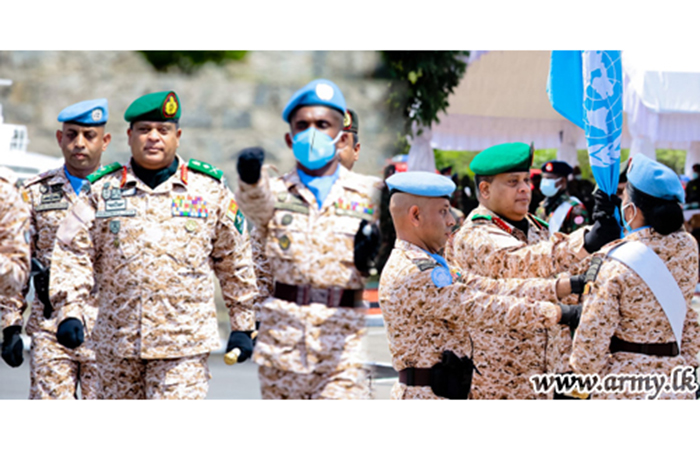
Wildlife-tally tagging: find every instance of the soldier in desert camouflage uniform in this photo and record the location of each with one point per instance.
(501, 240)
(624, 328)
(56, 370)
(427, 306)
(309, 342)
(150, 238)
(14, 265)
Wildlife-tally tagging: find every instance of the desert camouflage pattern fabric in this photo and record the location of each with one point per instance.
(576, 218)
(14, 245)
(621, 304)
(507, 360)
(423, 320)
(55, 371)
(347, 384)
(306, 245)
(263, 271)
(185, 378)
(151, 256)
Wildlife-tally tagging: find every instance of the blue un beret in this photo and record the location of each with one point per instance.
(655, 179)
(89, 112)
(424, 184)
(318, 92)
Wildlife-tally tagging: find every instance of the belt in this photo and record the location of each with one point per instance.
(415, 376)
(332, 297)
(667, 349)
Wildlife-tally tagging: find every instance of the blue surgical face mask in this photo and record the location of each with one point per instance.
(314, 149)
(628, 228)
(548, 188)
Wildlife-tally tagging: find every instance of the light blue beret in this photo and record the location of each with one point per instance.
(424, 184)
(89, 112)
(655, 179)
(318, 92)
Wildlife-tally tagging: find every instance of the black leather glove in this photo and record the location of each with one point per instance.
(367, 240)
(250, 163)
(70, 333)
(570, 315)
(12, 346)
(242, 341)
(606, 227)
(578, 282)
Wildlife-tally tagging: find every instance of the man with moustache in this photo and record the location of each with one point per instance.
(149, 239)
(500, 239)
(56, 371)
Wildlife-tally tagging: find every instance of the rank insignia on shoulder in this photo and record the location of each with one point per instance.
(592, 273)
(235, 215)
(102, 171)
(441, 277)
(189, 206)
(205, 168)
(425, 264)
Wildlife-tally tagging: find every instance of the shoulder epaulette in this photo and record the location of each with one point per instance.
(592, 273)
(106, 170)
(481, 217)
(539, 221)
(205, 168)
(425, 264)
(36, 178)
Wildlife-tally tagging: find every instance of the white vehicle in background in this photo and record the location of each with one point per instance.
(13, 149)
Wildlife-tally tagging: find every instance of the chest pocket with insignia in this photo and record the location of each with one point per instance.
(288, 227)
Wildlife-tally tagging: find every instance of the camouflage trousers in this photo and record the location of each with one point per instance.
(348, 384)
(185, 378)
(402, 392)
(56, 371)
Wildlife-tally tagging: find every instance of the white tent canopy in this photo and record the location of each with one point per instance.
(503, 98)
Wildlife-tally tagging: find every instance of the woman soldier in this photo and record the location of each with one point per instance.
(637, 301)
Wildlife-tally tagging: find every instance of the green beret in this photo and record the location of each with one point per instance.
(157, 107)
(503, 158)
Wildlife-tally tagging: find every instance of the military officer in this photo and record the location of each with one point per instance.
(501, 240)
(314, 219)
(562, 212)
(56, 371)
(637, 316)
(14, 265)
(426, 303)
(350, 152)
(149, 239)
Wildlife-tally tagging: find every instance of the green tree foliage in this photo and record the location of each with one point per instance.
(189, 61)
(422, 82)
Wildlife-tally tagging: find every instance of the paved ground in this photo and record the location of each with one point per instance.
(228, 382)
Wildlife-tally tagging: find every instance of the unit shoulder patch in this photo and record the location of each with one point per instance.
(205, 168)
(101, 172)
(425, 264)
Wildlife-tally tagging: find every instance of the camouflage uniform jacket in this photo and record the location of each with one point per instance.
(576, 218)
(621, 304)
(306, 245)
(14, 257)
(424, 320)
(151, 256)
(489, 246)
(50, 196)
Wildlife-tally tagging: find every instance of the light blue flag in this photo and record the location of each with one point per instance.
(586, 88)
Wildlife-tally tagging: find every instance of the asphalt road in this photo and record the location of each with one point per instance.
(229, 382)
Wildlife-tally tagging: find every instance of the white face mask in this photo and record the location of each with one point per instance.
(625, 223)
(548, 186)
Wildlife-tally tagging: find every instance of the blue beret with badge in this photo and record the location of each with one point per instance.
(89, 113)
(318, 92)
(424, 184)
(654, 179)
